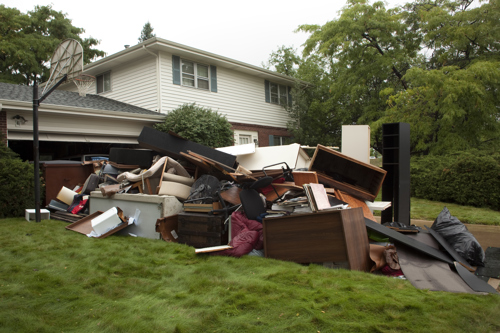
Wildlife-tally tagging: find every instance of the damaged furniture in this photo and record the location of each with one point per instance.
(152, 179)
(202, 230)
(330, 236)
(151, 208)
(347, 174)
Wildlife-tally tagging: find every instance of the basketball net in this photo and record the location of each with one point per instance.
(83, 83)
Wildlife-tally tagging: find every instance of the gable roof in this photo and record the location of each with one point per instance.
(14, 92)
(159, 44)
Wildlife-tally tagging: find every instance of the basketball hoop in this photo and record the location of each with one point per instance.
(66, 60)
(83, 82)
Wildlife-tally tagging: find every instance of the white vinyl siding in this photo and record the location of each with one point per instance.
(240, 97)
(53, 124)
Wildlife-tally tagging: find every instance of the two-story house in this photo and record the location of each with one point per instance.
(160, 75)
(137, 87)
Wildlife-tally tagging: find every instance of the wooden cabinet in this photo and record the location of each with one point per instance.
(342, 172)
(328, 236)
(63, 173)
(202, 230)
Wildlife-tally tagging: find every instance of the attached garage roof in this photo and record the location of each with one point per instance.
(21, 93)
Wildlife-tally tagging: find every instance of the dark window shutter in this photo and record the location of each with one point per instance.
(268, 92)
(176, 69)
(290, 96)
(271, 140)
(213, 78)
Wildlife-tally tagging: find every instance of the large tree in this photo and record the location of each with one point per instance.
(432, 63)
(314, 114)
(27, 42)
(147, 32)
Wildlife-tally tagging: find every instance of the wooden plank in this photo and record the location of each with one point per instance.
(356, 240)
(355, 203)
(305, 177)
(403, 239)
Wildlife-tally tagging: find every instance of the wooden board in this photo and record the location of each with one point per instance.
(355, 203)
(333, 236)
(305, 177)
(399, 238)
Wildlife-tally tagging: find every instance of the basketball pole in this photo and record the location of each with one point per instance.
(36, 146)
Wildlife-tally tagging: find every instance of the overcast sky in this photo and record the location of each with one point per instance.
(247, 31)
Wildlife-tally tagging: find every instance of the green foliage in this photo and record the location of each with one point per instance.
(6, 152)
(53, 279)
(468, 178)
(17, 186)
(147, 32)
(433, 64)
(198, 124)
(28, 41)
(314, 117)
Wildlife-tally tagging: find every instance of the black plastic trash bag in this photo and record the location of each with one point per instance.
(457, 235)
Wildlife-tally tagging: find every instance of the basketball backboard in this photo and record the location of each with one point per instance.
(67, 59)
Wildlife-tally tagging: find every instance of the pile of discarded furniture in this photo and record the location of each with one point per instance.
(276, 202)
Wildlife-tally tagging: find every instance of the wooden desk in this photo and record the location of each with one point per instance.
(327, 236)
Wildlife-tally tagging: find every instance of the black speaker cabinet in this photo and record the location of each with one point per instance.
(396, 161)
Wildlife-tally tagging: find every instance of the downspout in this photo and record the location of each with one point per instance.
(158, 78)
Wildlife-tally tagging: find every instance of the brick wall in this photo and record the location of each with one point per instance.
(3, 126)
(264, 132)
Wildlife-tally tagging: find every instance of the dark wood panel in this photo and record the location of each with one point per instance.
(201, 230)
(348, 174)
(319, 237)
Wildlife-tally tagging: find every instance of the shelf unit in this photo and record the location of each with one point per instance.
(396, 161)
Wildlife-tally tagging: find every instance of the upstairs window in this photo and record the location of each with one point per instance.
(103, 82)
(195, 75)
(191, 74)
(277, 93)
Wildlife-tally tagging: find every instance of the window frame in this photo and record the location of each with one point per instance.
(195, 75)
(103, 76)
(277, 93)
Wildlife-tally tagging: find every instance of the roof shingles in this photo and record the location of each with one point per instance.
(21, 93)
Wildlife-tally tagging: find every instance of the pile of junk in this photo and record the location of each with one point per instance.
(309, 206)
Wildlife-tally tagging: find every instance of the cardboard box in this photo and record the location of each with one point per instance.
(84, 226)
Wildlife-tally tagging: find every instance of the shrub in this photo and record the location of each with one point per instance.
(469, 178)
(200, 125)
(17, 186)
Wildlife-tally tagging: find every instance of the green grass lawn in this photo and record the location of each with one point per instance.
(55, 280)
(429, 210)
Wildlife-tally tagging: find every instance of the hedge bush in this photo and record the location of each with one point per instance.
(198, 124)
(469, 178)
(17, 186)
